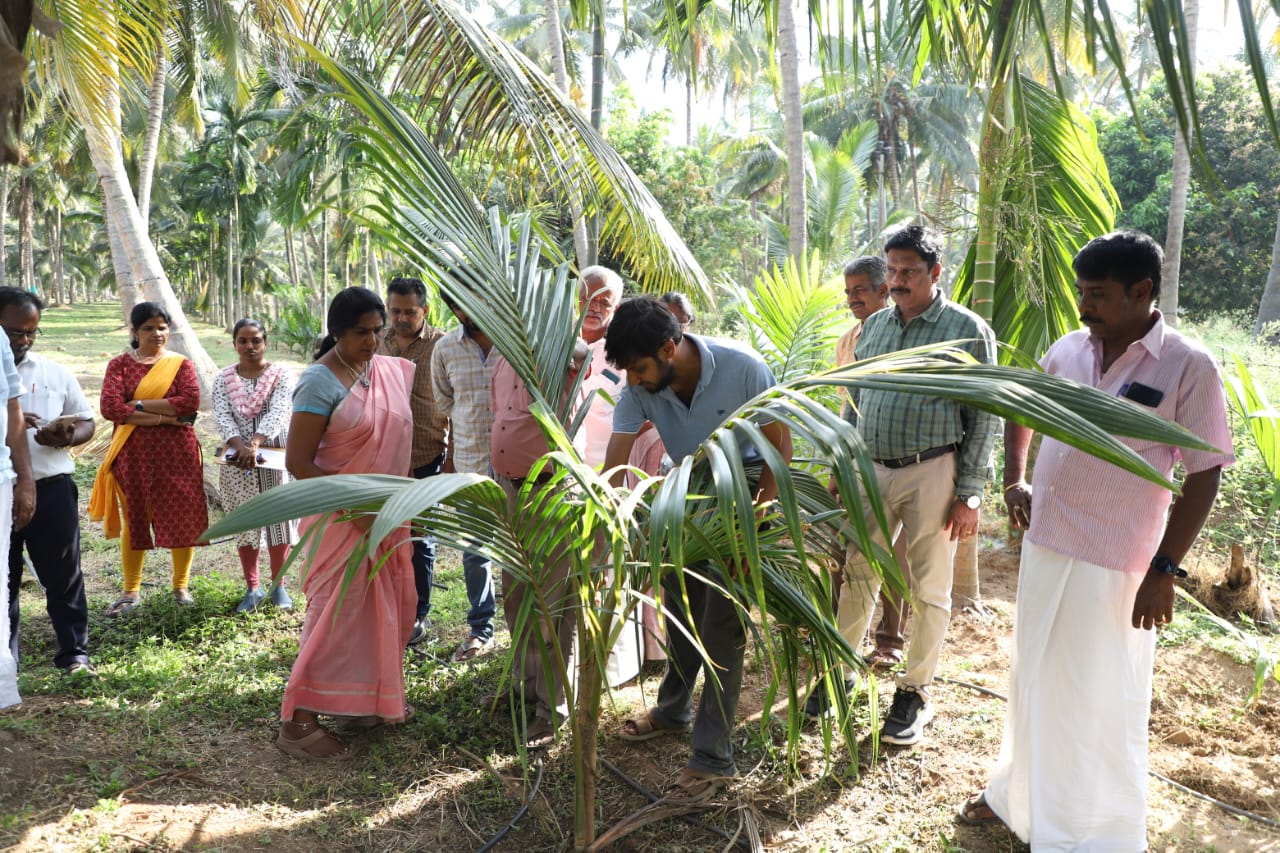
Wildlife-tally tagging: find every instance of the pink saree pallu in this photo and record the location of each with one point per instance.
(351, 655)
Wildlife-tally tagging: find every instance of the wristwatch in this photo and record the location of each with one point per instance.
(971, 501)
(1162, 565)
(138, 407)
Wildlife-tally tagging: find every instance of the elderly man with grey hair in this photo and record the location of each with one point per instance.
(599, 292)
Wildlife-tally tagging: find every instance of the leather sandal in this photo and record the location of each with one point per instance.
(695, 786)
(884, 658)
(540, 734)
(976, 812)
(309, 746)
(123, 605)
(648, 727)
(472, 648)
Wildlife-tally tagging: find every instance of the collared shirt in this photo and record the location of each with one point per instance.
(847, 343)
(428, 424)
(52, 392)
(461, 378)
(731, 375)
(597, 424)
(12, 385)
(516, 441)
(895, 424)
(1089, 509)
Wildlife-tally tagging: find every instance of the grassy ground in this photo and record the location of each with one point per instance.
(170, 749)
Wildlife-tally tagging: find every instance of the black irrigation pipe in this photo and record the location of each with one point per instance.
(1239, 812)
(740, 843)
(524, 808)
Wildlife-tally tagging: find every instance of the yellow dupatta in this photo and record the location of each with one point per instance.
(104, 502)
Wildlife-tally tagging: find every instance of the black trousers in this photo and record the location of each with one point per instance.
(424, 549)
(53, 541)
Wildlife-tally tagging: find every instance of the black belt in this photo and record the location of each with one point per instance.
(922, 456)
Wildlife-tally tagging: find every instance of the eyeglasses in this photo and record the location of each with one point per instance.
(30, 335)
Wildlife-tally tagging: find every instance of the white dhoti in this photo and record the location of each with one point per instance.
(1072, 772)
(8, 666)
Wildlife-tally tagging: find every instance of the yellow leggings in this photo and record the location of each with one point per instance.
(131, 562)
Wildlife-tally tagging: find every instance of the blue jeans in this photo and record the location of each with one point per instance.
(484, 604)
(424, 549)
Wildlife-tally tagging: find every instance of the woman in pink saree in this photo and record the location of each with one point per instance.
(350, 416)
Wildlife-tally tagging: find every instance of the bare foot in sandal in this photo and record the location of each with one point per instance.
(312, 742)
(976, 812)
(696, 786)
(648, 727)
(471, 648)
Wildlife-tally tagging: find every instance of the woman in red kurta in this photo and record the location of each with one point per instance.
(150, 488)
(350, 416)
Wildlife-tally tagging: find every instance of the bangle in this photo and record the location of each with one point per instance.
(1009, 488)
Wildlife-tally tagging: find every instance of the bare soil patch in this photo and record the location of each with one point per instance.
(73, 776)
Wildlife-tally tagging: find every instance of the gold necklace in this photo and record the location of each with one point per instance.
(361, 377)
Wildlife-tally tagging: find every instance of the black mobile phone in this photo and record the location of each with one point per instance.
(1143, 394)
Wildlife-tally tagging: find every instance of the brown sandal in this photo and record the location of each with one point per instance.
(648, 727)
(311, 743)
(695, 786)
(976, 812)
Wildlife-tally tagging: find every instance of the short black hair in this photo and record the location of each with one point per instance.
(11, 296)
(248, 321)
(916, 238)
(345, 310)
(1124, 256)
(141, 313)
(640, 327)
(405, 286)
(872, 266)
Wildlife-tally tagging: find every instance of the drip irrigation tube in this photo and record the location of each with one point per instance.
(521, 812)
(740, 843)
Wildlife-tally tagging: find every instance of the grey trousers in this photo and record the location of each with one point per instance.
(719, 628)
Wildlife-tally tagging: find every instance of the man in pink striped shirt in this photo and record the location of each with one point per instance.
(1098, 567)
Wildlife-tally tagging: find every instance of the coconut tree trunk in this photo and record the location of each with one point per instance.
(555, 44)
(65, 295)
(597, 111)
(134, 258)
(151, 143)
(4, 215)
(1179, 183)
(793, 124)
(26, 228)
(1269, 307)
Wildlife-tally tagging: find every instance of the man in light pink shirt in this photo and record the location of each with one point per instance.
(599, 292)
(1098, 567)
(515, 444)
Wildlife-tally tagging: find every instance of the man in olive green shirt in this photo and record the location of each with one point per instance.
(933, 459)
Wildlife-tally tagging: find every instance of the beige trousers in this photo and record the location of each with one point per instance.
(917, 499)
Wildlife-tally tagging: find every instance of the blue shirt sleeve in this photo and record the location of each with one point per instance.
(628, 414)
(318, 391)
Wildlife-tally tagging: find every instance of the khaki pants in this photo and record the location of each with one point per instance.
(917, 499)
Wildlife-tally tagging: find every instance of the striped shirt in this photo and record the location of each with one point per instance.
(461, 374)
(1089, 509)
(896, 424)
(428, 424)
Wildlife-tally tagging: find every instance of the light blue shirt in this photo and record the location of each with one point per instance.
(14, 388)
(732, 373)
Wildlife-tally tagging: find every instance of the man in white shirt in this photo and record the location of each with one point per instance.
(57, 416)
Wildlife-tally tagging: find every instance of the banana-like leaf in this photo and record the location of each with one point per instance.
(1262, 421)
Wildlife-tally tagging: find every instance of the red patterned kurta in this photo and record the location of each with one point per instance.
(159, 470)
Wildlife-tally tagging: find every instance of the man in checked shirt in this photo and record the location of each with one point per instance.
(932, 461)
